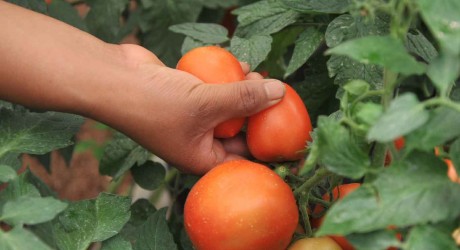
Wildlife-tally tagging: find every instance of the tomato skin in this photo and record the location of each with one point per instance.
(319, 243)
(280, 132)
(213, 64)
(240, 205)
(337, 193)
(451, 172)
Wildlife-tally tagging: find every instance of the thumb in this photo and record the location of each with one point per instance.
(246, 98)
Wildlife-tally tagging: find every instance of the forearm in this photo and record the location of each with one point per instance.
(50, 65)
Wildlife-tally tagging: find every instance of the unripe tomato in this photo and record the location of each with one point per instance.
(337, 193)
(240, 205)
(280, 133)
(320, 243)
(213, 64)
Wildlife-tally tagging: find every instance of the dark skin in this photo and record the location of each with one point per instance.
(169, 112)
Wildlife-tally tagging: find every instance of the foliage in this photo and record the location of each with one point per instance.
(369, 72)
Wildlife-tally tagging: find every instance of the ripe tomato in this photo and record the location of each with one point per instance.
(319, 243)
(399, 144)
(213, 64)
(280, 132)
(240, 205)
(451, 172)
(337, 193)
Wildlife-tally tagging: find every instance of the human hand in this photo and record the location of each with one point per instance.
(173, 113)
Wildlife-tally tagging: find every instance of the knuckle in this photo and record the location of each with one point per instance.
(248, 98)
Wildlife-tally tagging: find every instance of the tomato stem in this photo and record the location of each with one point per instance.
(319, 175)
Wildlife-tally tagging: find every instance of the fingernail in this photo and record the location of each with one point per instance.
(275, 90)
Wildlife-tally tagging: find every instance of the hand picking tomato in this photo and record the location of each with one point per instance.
(280, 133)
(337, 193)
(319, 243)
(240, 205)
(213, 64)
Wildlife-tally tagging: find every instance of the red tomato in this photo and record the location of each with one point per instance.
(451, 172)
(337, 193)
(48, 2)
(213, 64)
(319, 243)
(280, 132)
(399, 144)
(240, 205)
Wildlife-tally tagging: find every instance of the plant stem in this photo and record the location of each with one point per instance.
(443, 101)
(319, 175)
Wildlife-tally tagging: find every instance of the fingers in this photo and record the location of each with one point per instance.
(254, 76)
(245, 67)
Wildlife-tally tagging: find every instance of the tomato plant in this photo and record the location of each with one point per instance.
(280, 133)
(320, 243)
(240, 205)
(213, 64)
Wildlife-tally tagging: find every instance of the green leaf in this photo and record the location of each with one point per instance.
(209, 33)
(307, 43)
(345, 69)
(149, 175)
(444, 22)
(368, 113)
(268, 25)
(330, 6)
(17, 188)
(154, 234)
(7, 173)
(253, 50)
(376, 240)
(156, 18)
(31, 210)
(65, 12)
(404, 115)
(385, 51)
(418, 44)
(12, 160)
(35, 5)
(443, 71)
(190, 43)
(120, 155)
(454, 152)
(88, 221)
(356, 87)
(116, 243)
(429, 237)
(441, 127)
(141, 210)
(5, 105)
(214, 4)
(36, 133)
(419, 183)
(103, 19)
(19, 238)
(251, 13)
(338, 152)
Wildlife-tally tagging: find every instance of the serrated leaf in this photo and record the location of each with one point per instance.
(444, 22)
(17, 188)
(308, 6)
(31, 210)
(209, 33)
(103, 19)
(120, 155)
(454, 152)
(418, 44)
(252, 50)
(441, 127)
(7, 173)
(116, 243)
(404, 115)
(307, 43)
(88, 221)
(65, 12)
(35, 5)
(443, 71)
(429, 237)
(251, 13)
(268, 25)
(156, 17)
(36, 133)
(149, 175)
(154, 234)
(141, 210)
(19, 238)
(385, 51)
(420, 182)
(338, 152)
